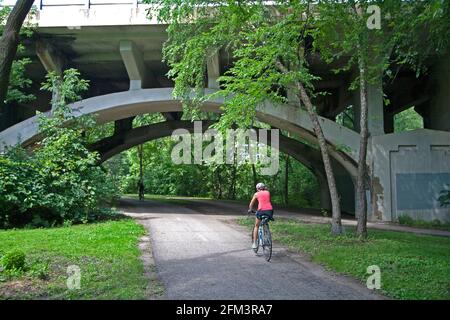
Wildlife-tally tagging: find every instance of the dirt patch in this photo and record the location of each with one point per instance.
(21, 289)
(155, 290)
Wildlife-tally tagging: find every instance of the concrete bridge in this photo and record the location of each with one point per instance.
(118, 49)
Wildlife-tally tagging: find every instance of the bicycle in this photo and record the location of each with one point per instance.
(264, 237)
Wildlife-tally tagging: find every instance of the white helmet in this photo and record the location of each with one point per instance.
(260, 186)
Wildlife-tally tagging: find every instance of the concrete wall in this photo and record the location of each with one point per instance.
(410, 169)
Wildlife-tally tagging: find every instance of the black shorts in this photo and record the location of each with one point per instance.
(260, 214)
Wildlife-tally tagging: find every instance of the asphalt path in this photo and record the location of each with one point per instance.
(201, 254)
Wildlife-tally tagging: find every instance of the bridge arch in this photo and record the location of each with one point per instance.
(305, 154)
(121, 105)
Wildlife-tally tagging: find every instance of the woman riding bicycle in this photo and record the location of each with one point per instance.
(265, 208)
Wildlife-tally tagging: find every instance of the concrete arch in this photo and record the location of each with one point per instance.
(120, 105)
(305, 154)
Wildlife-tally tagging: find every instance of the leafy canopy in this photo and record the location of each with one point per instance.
(257, 34)
(254, 35)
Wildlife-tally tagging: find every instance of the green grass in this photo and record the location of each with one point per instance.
(165, 199)
(412, 266)
(436, 224)
(107, 254)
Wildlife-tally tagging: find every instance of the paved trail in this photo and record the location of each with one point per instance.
(199, 254)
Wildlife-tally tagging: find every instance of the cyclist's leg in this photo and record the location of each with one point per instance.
(255, 229)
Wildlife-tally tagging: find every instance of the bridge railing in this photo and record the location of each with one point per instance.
(79, 13)
(43, 4)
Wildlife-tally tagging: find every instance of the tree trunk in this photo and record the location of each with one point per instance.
(255, 177)
(336, 224)
(56, 94)
(141, 173)
(361, 200)
(8, 49)
(232, 191)
(286, 181)
(219, 183)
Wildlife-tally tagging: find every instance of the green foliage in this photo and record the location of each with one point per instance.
(257, 37)
(254, 39)
(13, 260)
(346, 118)
(19, 83)
(60, 180)
(69, 89)
(444, 198)
(410, 32)
(163, 177)
(39, 270)
(20, 183)
(407, 120)
(410, 222)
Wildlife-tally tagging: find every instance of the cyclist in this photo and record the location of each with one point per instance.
(265, 208)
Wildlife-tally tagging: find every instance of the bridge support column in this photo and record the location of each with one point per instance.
(53, 61)
(375, 116)
(138, 74)
(134, 63)
(438, 116)
(389, 122)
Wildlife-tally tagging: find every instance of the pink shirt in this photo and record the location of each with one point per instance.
(264, 200)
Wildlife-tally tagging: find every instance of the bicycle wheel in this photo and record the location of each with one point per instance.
(267, 242)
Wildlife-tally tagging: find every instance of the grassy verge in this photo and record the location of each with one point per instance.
(165, 199)
(412, 266)
(436, 224)
(107, 254)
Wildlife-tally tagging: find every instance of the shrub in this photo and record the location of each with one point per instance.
(61, 179)
(406, 220)
(13, 260)
(444, 198)
(39, 270)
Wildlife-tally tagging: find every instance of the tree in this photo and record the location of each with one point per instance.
(407, 35)
(268, 46)
(9, 42)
